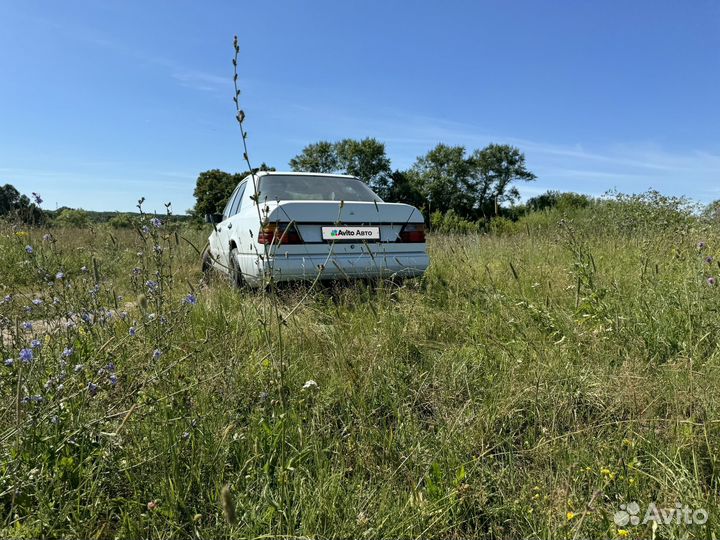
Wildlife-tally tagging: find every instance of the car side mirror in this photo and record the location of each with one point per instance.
(213, 218)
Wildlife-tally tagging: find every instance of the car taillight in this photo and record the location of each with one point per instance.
(279, 233)
(412, 233)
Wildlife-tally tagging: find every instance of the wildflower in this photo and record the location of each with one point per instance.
(711, 281)
(7, 299)
(623, 533)
(27, 326)
(37, 198)
(132, 331)
(152, 505)
(145, 229)
(190, 299)
(9, 362)
(157, 353)
(110, 367)
(59, 275)
(158, 250)
(68, 352)
(36, 344)
(37, 302)
(29, 249)
(83, 269)
(605, 471)
(186, 435)
(156, 223)
(26, 355)
(150, 284)
(570, 516)
(54, 419)
(78, 368)
(310, 385)
(92, 388)
(113, 379)
(701, 245)
(136, 271)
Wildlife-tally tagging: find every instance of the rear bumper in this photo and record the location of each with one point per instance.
(338, 267)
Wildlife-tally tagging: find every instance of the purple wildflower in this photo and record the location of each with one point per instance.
(68, 352)
(59, 275)
(190, 299)
(110, 367)
(701, 245)
(145, 229)
(9, 362)
(711, 281)
(157, 353)
(709, 259)
(36, 344)
(8, 298)
(156, 223)
(150, 284)
(26, 355)
(113, 379)
(37, 302)
(92, 388)
(132, 331)
(27, 326)
(29, 249)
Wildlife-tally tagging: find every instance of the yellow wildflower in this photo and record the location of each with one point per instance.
(570, 515)
(622, 533)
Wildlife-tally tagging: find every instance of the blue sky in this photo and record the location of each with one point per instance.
(104, 102)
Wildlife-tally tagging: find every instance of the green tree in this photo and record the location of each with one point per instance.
(212, 191)
(444, 178)
(494, 169)
(402, 189)
(556, 199)
(366, 159)
(712, 210)
(14, 205)
(320, 157)
(10, 199)
(474, 186)
(73, 217)
(214, 187)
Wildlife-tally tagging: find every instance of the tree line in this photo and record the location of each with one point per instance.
(473, 186)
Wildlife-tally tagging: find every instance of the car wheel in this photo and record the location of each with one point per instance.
(236, 277)
(206, 261)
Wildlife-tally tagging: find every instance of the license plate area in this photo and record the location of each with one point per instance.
(349, 233)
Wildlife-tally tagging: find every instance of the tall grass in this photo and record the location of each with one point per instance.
(527, 386)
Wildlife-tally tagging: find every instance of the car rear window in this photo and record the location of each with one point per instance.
(314, 188)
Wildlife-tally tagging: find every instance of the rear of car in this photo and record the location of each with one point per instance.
(330, 227)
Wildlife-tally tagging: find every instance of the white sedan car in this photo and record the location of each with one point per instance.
(306, 226)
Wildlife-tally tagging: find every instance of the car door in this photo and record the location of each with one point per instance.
(225, 231)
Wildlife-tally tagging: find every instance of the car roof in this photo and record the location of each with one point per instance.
(292, 173)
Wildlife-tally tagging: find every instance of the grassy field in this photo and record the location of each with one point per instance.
(533, 382)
